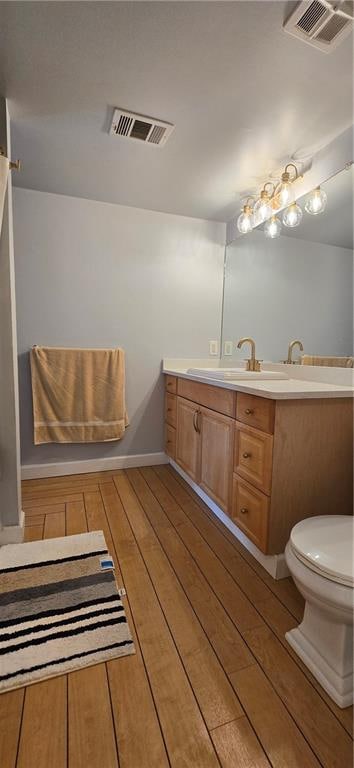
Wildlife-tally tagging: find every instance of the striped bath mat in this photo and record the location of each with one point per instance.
(59, 610)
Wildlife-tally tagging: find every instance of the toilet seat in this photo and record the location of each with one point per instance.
(325, 545)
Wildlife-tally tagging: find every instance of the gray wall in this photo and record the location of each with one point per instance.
(10, 495)
(284, 289)
(93, 274)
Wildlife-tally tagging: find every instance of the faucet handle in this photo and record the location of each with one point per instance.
(250, 363)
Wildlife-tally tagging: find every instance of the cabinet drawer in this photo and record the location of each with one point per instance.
(253, 456)
(171, 384)
(170, 409)
(216, 398)
(256, 411)
(250, 512)
(170, 441)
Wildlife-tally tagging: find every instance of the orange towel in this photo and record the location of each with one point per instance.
(78, 395)
(336, 362)
(4, 172)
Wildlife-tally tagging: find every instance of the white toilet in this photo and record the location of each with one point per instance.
(320, 558)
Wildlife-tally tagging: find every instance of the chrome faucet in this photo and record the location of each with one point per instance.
(252, 363)
(295, 343)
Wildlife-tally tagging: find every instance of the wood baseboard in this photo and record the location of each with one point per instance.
(56, 469)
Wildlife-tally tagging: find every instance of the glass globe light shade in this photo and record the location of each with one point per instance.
(284, 191)
(316, 201)
(272, 227)
(245, 220)
(292, 215)
(285, 194)
(262, 209)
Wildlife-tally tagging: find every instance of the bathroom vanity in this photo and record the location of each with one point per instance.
(268, 454)
(265, 453)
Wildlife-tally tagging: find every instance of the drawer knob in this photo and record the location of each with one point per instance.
(249, 411)
(246, 455)
(244, 510)
(169, 410)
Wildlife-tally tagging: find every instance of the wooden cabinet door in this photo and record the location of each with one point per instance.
(216, 460)
(188, 442)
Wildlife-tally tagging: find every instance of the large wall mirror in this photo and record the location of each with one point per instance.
(296, 286)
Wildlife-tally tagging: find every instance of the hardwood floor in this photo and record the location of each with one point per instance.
(213, 682)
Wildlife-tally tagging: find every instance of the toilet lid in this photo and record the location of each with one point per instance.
(326, 545)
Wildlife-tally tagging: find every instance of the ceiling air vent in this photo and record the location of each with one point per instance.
(321, 23)
(146, 129)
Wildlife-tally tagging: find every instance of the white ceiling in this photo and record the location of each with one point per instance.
(244, 96)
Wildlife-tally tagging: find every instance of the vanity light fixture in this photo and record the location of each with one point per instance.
(272, 227)
(292, 215)
(245, 221)
(316, 201)
(279, 198)
(284, 191)
(263, 208)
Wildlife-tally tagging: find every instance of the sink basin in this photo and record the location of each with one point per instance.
(236, 374)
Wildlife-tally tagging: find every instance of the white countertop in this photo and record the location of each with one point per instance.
(282, 389)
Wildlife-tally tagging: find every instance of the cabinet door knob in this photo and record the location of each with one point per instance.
(249, 411)
(246, 455)
(244, 510)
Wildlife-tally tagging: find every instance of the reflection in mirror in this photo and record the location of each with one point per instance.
(298, 286)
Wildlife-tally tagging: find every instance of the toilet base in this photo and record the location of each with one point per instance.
(327, 651)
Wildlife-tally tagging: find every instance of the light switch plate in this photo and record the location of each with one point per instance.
(213, 348)
(227, 347)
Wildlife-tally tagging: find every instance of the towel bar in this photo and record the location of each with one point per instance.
(14, 165)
